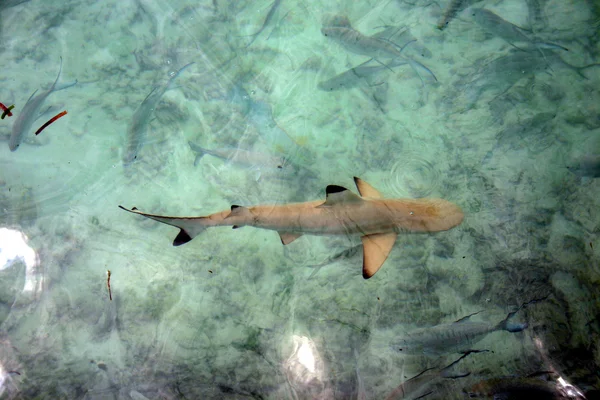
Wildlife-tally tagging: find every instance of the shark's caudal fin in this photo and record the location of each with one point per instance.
(200, 152)
(190, 227)
(513, 327)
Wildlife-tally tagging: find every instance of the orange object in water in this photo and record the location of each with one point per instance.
(6, 110)
(57, 116)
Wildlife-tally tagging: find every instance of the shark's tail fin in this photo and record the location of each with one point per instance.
(506, 325)
(200, 152)
(190, 227)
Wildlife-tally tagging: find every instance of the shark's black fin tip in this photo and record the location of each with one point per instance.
(234, 206)
(182, 238)
(335, 189)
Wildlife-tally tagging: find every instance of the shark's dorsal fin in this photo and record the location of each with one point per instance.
(376, 249)
(288, 237)
(237, 211)
(339, 195)
(366, 190)
(340, 21)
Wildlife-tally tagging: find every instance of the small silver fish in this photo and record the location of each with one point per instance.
(268, 18)
(136, 131)
(421, 385)
(454, 337)
(449, 12)
(239, 156)
(31, 111)
(498, 26)
(372, 46)
(357, 75)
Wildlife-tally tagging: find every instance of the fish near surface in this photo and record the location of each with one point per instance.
(511, 33)
(356, 76)
(421, 384)
(451, 338)
(501, 74)
(453, 7)
(239, 156)
(31, 110)
(136, 131)
(343, 33)
(377, 220)
(268, 18)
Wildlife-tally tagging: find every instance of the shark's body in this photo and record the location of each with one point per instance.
(377, 220)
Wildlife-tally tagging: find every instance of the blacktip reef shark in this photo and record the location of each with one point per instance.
(376, 219)
(31, 110)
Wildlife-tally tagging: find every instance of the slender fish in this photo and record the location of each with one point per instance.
(448, 338)
(355, 76)
(498, 26)
(372, 46)
(136, 131)
(30, 112)
(449, 12)
(269, 17)
(239, 156)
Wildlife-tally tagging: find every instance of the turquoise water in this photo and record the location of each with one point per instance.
(500, 121)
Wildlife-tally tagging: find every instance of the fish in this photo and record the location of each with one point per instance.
(239, 156)
(535, 16)
(376, 47)
(377, 220)
(514, 387)
(260, 114)
(451, 338)
(449, 12)
(500, 74)
(357, 75)
(31, 110)
(421, 384)
(136, 131)
(268, 18)
(511, 33)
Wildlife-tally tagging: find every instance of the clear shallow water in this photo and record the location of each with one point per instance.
(234, 314)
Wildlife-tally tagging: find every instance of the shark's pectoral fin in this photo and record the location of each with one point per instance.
(189, 227)
(376, 249)
(288, 237)
(366, 190)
